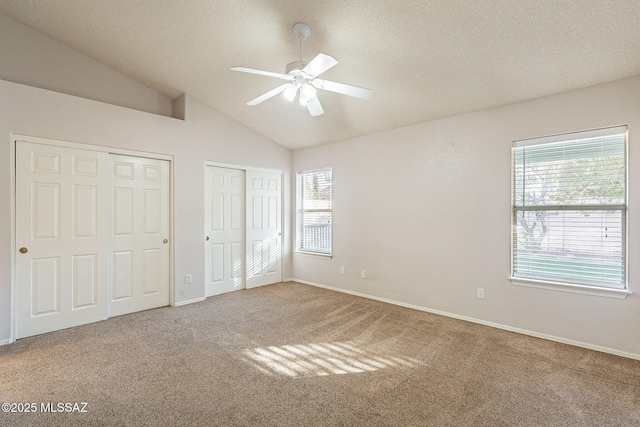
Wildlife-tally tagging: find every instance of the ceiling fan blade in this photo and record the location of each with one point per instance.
(269, 94)
(263, 73)
(314, 107)
(358, 92)
(319, 64)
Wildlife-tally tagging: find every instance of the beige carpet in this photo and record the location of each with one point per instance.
(295, 355)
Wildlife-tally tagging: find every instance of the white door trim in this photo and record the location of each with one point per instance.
(15, 138)
(12, 243)
(243, 168)
(84, 146)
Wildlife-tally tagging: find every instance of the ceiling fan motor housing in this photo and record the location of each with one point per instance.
(295, 66)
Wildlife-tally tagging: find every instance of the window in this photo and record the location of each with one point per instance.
(569, 209)
(315, 211)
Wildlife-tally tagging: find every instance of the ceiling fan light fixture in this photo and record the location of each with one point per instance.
(307, 93)
(290, 92)
(304, 101)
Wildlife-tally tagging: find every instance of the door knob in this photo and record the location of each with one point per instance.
(24, 250)
(207, 239)
(165, 241)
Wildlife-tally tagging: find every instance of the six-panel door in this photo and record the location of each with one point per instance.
(264, 228)
(62, 237)
(139, 242)
(224, 230)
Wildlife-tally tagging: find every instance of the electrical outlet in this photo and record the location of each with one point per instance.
(481, 293)
(341, 270)
(188, 278)
(363, 274)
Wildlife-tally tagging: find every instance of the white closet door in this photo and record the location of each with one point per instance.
(62, 210)
(139, 234)
(264, 228)
(224, 230)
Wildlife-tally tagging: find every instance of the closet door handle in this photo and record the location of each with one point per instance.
(165, 241)
(23, 250)
(207, 238)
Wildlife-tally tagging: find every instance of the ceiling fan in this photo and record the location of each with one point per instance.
(302, 78)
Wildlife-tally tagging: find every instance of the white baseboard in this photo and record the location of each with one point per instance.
(191, 301)
(5, 342)
(479, 321)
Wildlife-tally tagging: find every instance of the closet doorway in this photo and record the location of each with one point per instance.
(243, 228)
(92, 234)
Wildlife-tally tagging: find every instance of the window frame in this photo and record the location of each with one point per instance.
(562, 284)
(300, 211)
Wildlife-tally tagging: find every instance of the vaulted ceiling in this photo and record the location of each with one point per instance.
(423, 59)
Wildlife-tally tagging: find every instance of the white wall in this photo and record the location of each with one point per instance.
(33, 59)
(204, 135)
(426, 211)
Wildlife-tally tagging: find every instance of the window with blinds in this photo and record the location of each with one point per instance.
(315, 211)
(569, 208)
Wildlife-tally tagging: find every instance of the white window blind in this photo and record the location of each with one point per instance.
(315, 211)
(569, 208)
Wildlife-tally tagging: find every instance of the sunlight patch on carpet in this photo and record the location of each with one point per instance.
(321, 359)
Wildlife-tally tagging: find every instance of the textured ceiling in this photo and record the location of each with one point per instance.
(422, 59)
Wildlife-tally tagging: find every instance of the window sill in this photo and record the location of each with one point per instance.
(314, 254)
(566, 287)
